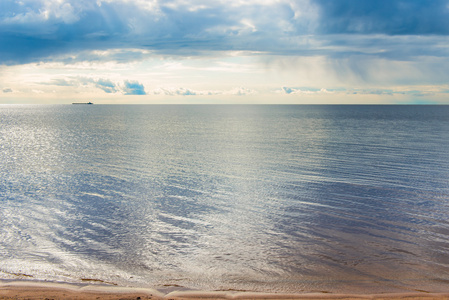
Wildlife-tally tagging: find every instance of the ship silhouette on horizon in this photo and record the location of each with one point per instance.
(82, 102)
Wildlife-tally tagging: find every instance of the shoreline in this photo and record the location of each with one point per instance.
(16, 289)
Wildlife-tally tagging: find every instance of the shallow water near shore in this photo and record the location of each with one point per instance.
(236, 197)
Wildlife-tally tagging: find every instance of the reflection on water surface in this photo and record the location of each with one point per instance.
(266, 198)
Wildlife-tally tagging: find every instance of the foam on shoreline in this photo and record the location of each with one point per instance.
(50, 290)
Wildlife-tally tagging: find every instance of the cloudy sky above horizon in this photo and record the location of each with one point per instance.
(233, 51)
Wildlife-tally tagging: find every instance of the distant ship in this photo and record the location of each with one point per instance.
(82, 103)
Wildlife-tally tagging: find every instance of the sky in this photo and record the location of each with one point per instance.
(224, 51)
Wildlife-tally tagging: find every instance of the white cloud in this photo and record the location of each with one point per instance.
(306, 90)
(181, 91)
(241, 91)
(55, 10)
(172, 91)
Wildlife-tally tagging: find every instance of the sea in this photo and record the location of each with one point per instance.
(268, 198)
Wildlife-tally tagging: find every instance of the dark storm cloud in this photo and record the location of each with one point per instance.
(391, 17)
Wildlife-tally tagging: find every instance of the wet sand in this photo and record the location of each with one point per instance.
(38, 290)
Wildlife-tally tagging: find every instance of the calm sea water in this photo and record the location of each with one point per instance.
(260, 198)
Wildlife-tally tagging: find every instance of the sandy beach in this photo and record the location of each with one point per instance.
(39, 290)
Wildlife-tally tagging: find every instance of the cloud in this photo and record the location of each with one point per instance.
(37, 30)
(426, 91)
(134, 88)
(7, 90)
(307, 90)
(204, 47)
(181, 91)
(175, 92)
(241, 91)
(59, 82)
(72, 30)
(106, 85)
(287, 90)
(124, 55)
(128, 87)
(26, 13)
(46, 30)
(390, 17)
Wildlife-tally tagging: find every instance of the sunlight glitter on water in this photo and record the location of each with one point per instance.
(266, 198)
